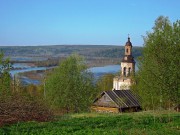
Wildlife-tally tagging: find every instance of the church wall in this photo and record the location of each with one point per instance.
(124, 85)
(128, 50)
(115, 84)
(121, 84)
(127, 65)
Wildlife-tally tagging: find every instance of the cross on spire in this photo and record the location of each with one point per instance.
(128, 38)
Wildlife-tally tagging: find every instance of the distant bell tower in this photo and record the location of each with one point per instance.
(128, 63)
(123, 82)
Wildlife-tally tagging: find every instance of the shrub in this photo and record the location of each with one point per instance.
(18, 107)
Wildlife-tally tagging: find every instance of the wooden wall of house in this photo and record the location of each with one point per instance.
(105, 109)
(114, 109)
(105, 101)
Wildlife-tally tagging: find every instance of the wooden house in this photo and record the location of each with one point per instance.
(117, 101)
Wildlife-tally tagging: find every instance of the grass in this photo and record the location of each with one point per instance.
(141, 123)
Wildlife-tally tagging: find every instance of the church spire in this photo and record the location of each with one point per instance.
(128, 63)
(128, 47)
(128, 43)
(128, 38)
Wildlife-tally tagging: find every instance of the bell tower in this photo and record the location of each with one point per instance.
(128, 63)
(123, 82)
(128, 47)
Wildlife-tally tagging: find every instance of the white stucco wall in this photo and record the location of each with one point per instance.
(121, 84)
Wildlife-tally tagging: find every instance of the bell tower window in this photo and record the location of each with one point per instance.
(124, 71)
(126, 50)
(129, 71)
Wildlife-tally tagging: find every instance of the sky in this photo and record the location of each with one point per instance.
(80, 22)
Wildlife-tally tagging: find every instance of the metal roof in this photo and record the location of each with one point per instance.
(124, 98)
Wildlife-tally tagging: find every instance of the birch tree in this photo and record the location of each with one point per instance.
(159, 75)
(70, 86)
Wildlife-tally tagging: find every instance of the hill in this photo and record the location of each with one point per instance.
(65, 50)
(149, 123)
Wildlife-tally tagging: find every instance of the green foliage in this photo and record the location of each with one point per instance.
(16, 104)
(70, 86)
(106, 124)
(105, 82)
(5, 80)
(158, 78)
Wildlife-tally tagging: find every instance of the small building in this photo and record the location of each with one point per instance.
(117, 101)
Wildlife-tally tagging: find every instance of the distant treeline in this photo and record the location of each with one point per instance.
(118, 52)
(108, 51)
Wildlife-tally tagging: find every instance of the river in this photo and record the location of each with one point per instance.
(97, 71)
(22, 67)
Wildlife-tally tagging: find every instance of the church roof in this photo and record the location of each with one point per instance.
(128, 43)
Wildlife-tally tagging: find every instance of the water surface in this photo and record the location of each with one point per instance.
(97, 71)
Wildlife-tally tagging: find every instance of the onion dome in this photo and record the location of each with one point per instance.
(128, 43)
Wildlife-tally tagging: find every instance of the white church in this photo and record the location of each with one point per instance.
(124, 81)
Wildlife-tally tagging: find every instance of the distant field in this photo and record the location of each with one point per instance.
(141, 123)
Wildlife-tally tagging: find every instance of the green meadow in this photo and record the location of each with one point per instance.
(139, 123)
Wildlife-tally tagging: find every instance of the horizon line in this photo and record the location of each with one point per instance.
(69, 45)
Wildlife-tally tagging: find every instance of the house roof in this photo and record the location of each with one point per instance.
(123, 98)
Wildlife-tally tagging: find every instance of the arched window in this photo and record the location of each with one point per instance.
(129, 71)
(126, 50)
(124, 71)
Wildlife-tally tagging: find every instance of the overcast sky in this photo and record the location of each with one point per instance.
(55, 22)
